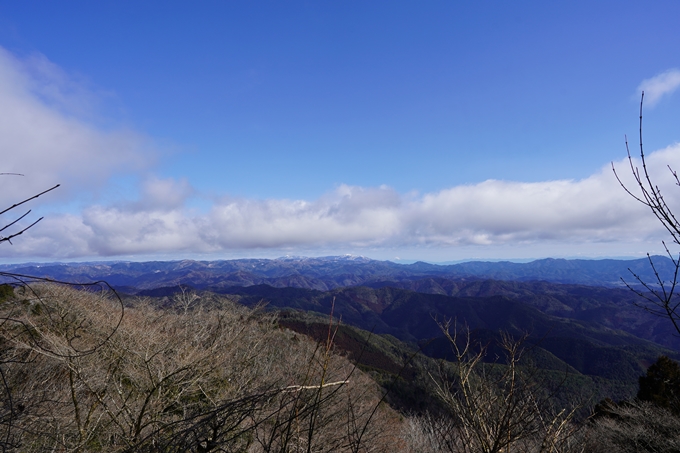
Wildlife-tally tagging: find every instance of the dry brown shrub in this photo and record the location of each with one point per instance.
(208, 376)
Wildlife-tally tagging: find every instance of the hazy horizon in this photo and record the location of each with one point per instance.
(395, 260)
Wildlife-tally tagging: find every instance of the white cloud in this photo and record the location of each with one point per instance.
(46, 133)
(164, 194)
(571, 215)
(659, 86)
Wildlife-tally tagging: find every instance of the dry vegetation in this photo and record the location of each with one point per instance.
(81, 373)
(79, 377)
(494, 408)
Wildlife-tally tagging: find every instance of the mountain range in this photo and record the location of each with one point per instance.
(328, 273)
(577, 316)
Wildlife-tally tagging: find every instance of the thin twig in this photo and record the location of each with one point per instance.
(29, 199)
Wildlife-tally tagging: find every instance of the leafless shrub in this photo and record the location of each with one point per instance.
(222, 378)
(494, 408)
(634, 427)
(428, 434)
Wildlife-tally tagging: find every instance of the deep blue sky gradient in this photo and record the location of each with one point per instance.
(289, 99)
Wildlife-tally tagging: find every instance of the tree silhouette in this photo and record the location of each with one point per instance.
(14, 233)
(661, 297)
(661, 384)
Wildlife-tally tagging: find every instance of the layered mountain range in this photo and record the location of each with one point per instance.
(328, 273)
(367, 291)
(578, 315)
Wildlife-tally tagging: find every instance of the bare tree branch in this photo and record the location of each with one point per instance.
(660, 297)
(29, 199)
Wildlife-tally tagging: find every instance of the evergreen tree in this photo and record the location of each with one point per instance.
(661, 384)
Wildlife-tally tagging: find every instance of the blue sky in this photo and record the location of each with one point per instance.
(420, 130)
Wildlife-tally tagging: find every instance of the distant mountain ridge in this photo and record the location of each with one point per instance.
(577, 313)
(582, 290)
(327, 273)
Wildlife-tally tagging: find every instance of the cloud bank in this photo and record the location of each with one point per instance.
(489, 214)
(46, 133)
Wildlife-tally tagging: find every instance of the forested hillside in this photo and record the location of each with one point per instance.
(85, 371)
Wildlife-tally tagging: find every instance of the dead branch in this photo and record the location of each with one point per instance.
(660, 298)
